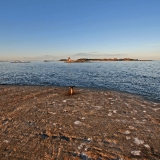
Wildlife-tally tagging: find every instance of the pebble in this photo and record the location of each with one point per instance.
(77, 122)
(127, 132)
(156, 109)
(131, 127)
(6, 141)
(98, 107)
(110, 114)
(136, 153)
(89, 139)
(79, 147)
(52, 113)
(147, 146)
(127, 137)
(138, 141)
(114, 111)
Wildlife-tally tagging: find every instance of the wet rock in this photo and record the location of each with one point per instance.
(44, 136)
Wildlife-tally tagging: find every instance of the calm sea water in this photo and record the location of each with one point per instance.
(142, 78)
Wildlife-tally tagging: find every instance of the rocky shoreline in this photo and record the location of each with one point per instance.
(39, 123)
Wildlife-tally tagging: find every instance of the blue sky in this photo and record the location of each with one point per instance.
(40, 29)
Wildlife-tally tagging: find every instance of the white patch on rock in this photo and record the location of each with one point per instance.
(136, 153)
(52, 113)
(110, 114)
(138, 141)
(98, 107)
(131, 127)
(114, 111)
(86, 149)
(144, 111)
(6, 141)
(83, 118)
(127, 132)
(147, 146)
(134, 111)
(127, 137)
(156, 109)
(64, 101)
(139, 122)
(79, 147)
(89, 139)
(77, 123)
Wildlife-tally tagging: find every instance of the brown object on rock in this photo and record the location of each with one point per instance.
(71, 91)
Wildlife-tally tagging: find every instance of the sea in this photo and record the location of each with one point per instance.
(138, 77)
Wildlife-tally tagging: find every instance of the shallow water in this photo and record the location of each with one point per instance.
(139, 77)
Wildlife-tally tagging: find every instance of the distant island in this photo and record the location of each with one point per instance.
(104, 59)
(17, 61)
(48, 60)
(3, 61)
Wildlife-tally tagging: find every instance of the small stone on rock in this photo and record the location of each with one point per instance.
(127, 132)
(6, 141)
(131, 127)
(138, 141)
(127, 137)
(110, 114)
(114, 111)
(136, 153)
(77, 122)
(147, 146)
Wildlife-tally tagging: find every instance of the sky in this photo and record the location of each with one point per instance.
(54, 29)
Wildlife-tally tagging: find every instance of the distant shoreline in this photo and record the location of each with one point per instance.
(78, 60)
(104, 59)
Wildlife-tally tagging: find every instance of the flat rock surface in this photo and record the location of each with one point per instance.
(46, 123)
